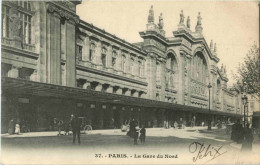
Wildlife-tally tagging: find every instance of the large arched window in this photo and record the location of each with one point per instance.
(200, 68)
(24, 14)
(171, 71)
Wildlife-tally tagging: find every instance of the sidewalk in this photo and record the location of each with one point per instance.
(106, 132)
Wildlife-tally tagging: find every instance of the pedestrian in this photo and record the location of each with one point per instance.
(247, 139)
(142, 134)
(135, 134)
(239, 132)
(59, 124)
(66, 128)
(17, 129)
(75, 125)
(11, 127)
(132, 128)
(175, 125)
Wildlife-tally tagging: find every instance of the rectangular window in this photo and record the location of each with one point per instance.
(90, 55)
(113, 61)
(79, 52)
(103, 59)
(5, 21)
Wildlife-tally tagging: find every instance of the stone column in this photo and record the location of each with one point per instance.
(86, 48)
(163, 72)
(127, 63)
(53, 48)
(71, 53)
(98, 55)
(119, 62)
(109, 58)
(150, 69)
(14, 72)
(63, 75)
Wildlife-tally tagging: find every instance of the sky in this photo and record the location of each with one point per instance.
(232, 25)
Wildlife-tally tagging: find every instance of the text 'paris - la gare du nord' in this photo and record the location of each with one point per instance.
(136, 156)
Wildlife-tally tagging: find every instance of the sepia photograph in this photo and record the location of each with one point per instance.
(130, 82)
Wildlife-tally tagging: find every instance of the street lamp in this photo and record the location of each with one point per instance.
(244, 99)
(209, 124)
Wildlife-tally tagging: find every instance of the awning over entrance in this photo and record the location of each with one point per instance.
(20, 87)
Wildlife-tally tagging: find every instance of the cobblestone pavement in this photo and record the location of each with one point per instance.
(114, 147)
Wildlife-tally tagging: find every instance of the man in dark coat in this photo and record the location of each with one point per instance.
(247, 139)
(132, 128)
(75, 125)
(237, 132)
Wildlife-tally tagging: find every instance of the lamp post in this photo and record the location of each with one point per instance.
(209, 124)
(244, 99)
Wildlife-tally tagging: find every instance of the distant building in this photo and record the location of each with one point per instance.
(54, 64)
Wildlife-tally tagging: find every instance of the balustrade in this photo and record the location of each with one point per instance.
(8, 42)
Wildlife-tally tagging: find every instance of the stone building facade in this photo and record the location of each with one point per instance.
(54, 64)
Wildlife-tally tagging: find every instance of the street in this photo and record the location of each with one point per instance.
(174, 146)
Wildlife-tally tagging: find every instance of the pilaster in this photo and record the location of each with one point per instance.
(109, 58)
(98, 55)
(86, 49)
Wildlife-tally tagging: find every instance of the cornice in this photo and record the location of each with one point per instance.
(53, 8)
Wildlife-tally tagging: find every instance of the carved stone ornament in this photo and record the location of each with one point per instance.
(54, 9)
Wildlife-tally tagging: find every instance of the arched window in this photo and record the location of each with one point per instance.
(104, 57)
(200, 68)
(171, 71)
(92, 52)
(24, 14)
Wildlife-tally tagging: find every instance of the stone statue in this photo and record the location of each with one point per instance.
(181, 17)
(188, 22)
(211, 45)
(199, 20)
(215, 48)
(15, 26)
(151, 15)
(161, 22)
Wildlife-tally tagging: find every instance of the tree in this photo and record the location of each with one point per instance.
(247, 76)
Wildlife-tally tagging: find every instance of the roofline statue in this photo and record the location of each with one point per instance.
(160, 24)
(181, 17)
(151, 15)
(188, 22)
